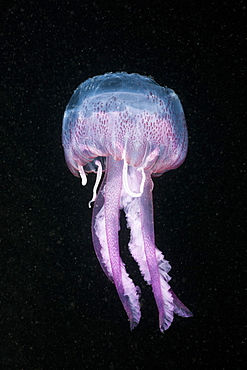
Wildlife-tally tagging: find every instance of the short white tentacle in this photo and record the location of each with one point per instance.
(98, 178)
(83, 175)
(126, 184)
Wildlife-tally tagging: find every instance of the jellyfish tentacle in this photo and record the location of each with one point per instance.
(126, 182)
(82, 175)
(167, 302)
(150, 259)
(97, 181)
(105, 236)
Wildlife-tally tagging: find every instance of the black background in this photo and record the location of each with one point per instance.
(58, 310)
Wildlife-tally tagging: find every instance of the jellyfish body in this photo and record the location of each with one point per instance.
(131, 128)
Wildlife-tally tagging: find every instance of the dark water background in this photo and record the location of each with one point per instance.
(57, 309)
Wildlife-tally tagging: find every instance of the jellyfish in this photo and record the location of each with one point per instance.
(130, 128)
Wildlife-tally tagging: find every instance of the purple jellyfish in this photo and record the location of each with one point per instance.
(131, 128)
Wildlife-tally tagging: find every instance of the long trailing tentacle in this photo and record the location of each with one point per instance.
(105, 227)
(153, 266)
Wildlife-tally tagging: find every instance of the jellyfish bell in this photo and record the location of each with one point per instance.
(126, 116)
